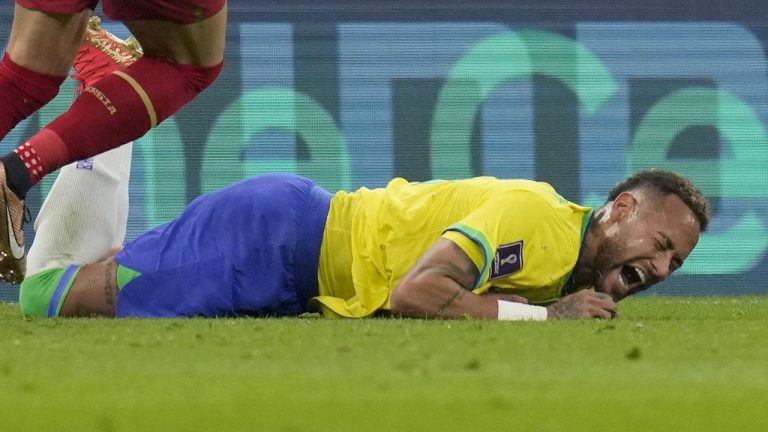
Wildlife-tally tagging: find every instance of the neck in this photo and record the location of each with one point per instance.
(584, 272)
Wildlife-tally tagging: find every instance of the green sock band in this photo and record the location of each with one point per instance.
(43, 293)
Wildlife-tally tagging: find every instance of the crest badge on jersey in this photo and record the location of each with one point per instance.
(86, 164)
(508, 260)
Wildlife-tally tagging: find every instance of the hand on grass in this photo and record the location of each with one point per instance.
(583, 304)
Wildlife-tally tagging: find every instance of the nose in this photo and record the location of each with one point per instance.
(662, 265)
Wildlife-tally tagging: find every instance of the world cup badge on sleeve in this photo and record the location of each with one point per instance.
(508, 260)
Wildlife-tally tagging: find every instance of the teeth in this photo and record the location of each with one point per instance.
(641, 275)
(622, 281)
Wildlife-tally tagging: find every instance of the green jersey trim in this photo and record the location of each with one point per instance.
(480, 239)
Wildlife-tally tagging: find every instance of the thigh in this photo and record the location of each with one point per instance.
(262, 210)
(44, 41)
(177, 11)
(58, 6)
(189, 32)
(230, 252)
(215, 287)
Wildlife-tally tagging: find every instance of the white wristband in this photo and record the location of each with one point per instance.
(512, 311)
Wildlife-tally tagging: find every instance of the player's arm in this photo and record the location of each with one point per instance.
(440, 285)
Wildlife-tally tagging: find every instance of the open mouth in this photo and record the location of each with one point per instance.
(632, 277)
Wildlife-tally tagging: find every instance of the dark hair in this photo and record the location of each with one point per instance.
(665, 183)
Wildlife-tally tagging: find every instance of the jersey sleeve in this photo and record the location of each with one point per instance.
(493, 235)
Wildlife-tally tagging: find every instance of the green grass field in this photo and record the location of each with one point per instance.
(667, 364)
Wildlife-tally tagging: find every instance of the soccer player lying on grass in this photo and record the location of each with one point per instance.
(281, 245)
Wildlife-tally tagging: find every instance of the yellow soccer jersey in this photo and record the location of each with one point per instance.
(523, 237)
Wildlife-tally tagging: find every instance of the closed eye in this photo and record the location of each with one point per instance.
(676, 264)
(665, 244)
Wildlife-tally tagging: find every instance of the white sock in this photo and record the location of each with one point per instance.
(85, 213)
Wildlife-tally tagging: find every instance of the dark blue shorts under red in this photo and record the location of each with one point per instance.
(249, 249)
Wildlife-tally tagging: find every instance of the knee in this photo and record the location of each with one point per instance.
(180, 84)
(194, 79)
(198, 77)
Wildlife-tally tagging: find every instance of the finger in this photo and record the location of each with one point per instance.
(602, 314)
(602, 295)
(605, 301)
(613, 310)
(611, 307)
(602, 306)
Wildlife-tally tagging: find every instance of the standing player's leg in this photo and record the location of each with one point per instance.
(84, 216)
(85, 213)
(118, 108)
(40, 51)
(43, 41)
(82, 220)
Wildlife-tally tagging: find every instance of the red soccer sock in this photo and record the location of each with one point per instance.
(22, 92)
(119, 108)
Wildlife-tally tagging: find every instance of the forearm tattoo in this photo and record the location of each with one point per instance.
(455, 297)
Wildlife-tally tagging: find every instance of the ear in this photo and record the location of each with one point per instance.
(624, 205)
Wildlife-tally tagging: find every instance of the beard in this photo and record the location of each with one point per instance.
(605, 261)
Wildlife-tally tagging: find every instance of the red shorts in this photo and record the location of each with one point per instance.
(58, 6)
(178, 11)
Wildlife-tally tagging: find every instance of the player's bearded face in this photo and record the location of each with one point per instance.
(645, 248)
